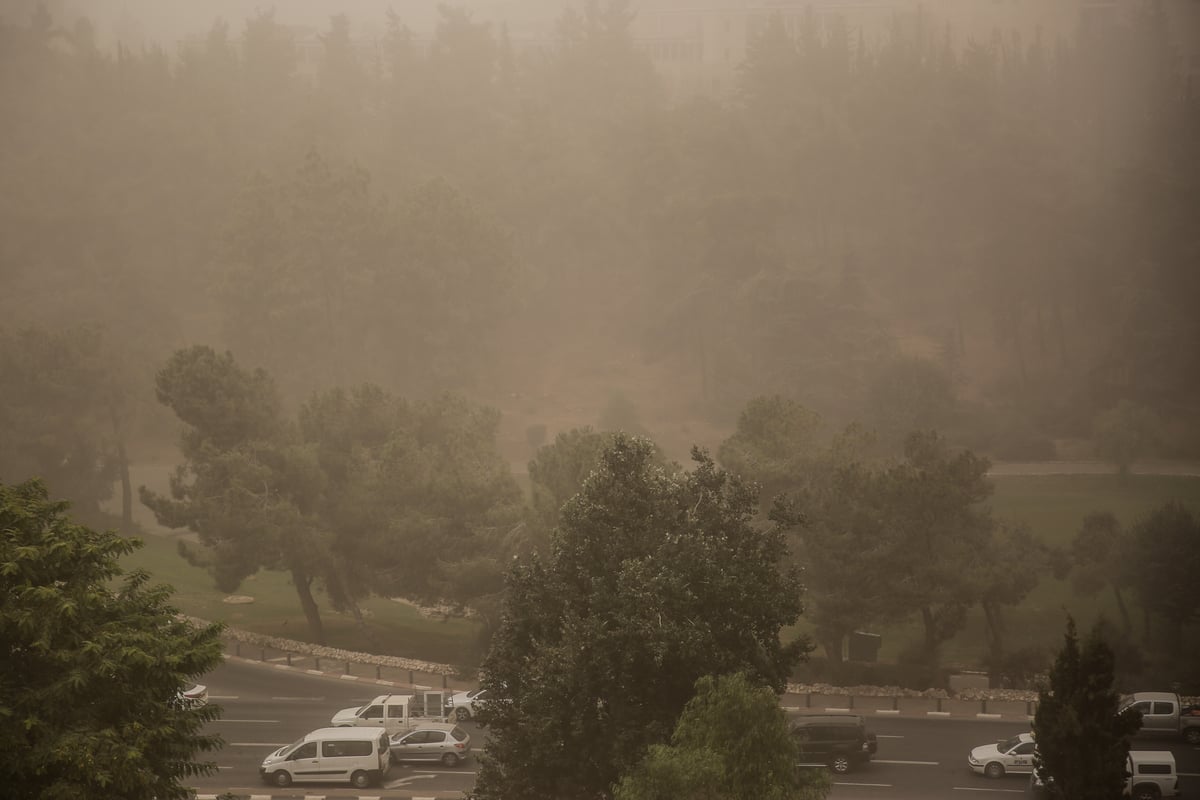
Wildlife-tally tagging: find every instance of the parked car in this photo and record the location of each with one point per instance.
(1164, 714)
(432, 741)
(1007, 756)
(839, 741)
(461, 705)
(399, 713)
(358, 755)
(194, 695)
(1149, 775)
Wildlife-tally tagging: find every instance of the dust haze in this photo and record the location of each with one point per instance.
(968, 215)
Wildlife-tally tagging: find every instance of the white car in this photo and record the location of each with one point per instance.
(1013, 755)
(461, 705)
(194, 696)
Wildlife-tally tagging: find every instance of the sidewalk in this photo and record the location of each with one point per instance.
(932, 707)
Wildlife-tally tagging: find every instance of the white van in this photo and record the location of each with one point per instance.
(358, 755)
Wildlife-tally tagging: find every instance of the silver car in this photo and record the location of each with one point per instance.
(432, 741)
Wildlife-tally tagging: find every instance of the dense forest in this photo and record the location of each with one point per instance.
(995, 240)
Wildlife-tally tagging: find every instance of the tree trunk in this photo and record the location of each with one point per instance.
(1125, 620)
(931, 634)
(303, 583)
(995, 636)
(123, 467)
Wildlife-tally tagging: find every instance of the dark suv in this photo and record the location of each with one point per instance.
(840, 741)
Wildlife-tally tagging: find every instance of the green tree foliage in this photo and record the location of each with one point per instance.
(61, 412)
(1125, 433)
(556, 473)
(1161, 565)
(245, 482)
(363, 493)
(909, 394)
(1100, 553)
(655, 579)
(732, 742)
(934, 500)
(1082, 741)
(93, 660)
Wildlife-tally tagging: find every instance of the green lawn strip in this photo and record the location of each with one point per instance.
(1053, 506)
(397, 628)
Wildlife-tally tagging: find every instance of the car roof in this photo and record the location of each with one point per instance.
(432, 726)
(389, 698)
(344, 733)
(1162, 697)
(1140, 756)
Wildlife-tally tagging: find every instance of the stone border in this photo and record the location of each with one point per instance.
(331, 653)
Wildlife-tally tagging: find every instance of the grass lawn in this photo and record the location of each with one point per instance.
(1051, 505)
(398, 628)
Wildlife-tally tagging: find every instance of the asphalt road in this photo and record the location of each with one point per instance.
(919, 758)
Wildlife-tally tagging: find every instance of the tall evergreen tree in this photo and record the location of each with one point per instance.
(1082, 740)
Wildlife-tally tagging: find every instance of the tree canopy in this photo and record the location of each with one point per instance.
(655, 578)
(732, 742)
(93, 662)
(1082, 741)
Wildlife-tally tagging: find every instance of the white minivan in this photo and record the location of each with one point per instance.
(358, 755)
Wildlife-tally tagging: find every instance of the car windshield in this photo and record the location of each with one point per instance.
(458, 733)
(288, 750)
(1009, 744)
(474, 693)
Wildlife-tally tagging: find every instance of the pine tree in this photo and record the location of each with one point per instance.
(1082, 740)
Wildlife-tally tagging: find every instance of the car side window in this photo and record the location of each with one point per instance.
(820, 733)
(1024, 749)
(436, 736)
(330, 749)
(1154, 769)
(373, 711)
(395, 712)
(1142, 706)
(306, 750)
(414, 738)
(1162, 708)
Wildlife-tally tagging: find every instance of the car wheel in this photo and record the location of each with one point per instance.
(1145, 793)
(1191, 735)
(840, 764)
(994, 770)
(461, 714)
(360, 780)
(282, 778)
(450, 759)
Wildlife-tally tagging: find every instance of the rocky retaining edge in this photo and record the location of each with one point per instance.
(398, 662)
(332, 653)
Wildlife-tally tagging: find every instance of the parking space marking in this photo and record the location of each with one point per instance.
(985, 789)
(877, 785)
(250, 721)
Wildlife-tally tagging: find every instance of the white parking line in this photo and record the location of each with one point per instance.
(222, 697)
(298, 699)
(981, 789)
(889, 736)
(845, 783)
(251, 721)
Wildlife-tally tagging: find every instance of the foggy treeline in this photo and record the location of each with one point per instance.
(997, 240)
